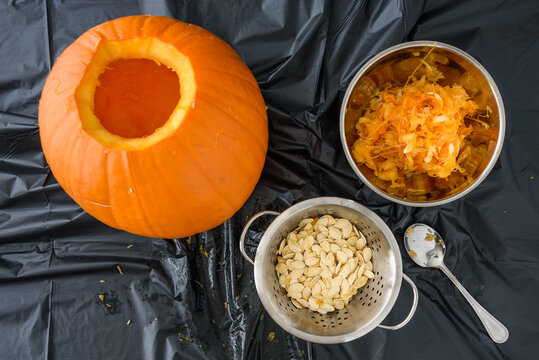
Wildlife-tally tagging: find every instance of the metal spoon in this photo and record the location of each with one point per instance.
(426, 247)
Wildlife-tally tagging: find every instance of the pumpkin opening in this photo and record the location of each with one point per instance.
(134, 97)
(135, 93)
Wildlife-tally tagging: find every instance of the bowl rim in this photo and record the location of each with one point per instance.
(493, 87)
(265, 297)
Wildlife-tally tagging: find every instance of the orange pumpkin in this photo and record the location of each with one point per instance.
(154, 126)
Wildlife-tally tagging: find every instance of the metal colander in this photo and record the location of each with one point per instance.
(368, 307)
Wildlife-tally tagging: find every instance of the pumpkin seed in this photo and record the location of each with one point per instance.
(292, 236)
(338, 267)
(333, 292)
(369, 266)
(298, 257)
(339, 304)
(360, 244)
(337, 281)
(361, 281)
(367, 254)
(281, 247)
(294, 295)
(334, 233)
(311, 261)
(345, 286)
(341, 242)
(348, 252)
(360, 270)
(325, 246)
(295, 274)
(351, 241)
(313, 303)
(368, 274)
(305, 222)
(306, 292)
(296, 288)
(323, 221)
(316, 290)
(352, 277)
(330, 259)
(281, 267)
(294, 246)
(313, 271)
(297, 265)
(289, 256)
(334, 248)
(327, 308)
(347, 231)
(342, 223)
(323, 229)
(341, 257)
(286, 251)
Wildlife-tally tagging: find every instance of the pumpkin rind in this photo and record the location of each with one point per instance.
(190, 181)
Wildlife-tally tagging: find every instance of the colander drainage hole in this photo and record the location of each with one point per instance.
(316, 322)
(377, 273)
(333, 322)
(322, 320)
(339, 319)
(370, 298)
(369, 304)
(345, 318)
(382, 286)
(312, 317)
(332, 326)
(340, 323)
(323, 325)
(363, 304)
(375, 301)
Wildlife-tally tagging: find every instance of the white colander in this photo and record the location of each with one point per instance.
(368, 307)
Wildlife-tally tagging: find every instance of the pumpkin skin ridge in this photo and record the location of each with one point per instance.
(252, 124)
(133, 181)
(260, 144)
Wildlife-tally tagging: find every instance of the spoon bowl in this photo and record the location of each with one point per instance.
(424, 245)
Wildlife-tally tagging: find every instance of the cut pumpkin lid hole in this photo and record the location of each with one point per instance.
(135, 97)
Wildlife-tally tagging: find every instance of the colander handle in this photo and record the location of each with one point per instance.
(412, 311)
(246, 228)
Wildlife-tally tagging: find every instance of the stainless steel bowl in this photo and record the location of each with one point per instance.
(464, 61)
(368, 307)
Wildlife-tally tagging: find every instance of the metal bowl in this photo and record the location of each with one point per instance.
(461, 61)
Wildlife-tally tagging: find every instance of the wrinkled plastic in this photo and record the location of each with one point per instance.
(195, 298)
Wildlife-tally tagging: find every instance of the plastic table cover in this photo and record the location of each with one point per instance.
(195, 298)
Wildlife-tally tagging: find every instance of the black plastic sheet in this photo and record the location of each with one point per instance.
(195, 298)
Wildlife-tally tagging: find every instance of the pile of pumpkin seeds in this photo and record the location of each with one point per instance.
(323, 263)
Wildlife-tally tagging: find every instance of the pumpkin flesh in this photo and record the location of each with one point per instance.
(134, 97)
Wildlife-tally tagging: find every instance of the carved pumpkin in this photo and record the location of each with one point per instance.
(154, 126)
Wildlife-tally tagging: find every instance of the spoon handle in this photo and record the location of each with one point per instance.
(497, 331)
